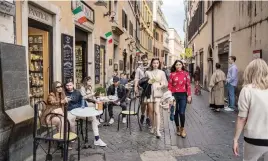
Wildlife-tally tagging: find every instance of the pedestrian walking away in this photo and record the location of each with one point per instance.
(158, 82)
(197, 90)
(216, 88)
(179, 85)
(253, 112)
(140, 73)
(231, 83)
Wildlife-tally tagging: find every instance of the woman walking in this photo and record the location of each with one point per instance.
(253, 112)
(216, 88)
(158, 81)
(197, 81)
(179, 85)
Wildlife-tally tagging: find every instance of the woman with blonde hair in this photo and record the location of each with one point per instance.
(253, 112)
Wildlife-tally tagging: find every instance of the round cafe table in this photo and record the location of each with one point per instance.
(86, 112)
(105, 100)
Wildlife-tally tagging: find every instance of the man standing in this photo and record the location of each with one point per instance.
(140, 73)
(119, 91)
(232, 79)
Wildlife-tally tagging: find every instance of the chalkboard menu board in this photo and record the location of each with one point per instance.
(67, 58)
(97, 64)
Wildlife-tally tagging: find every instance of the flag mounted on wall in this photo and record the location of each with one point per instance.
(78, 12)
(109, 37)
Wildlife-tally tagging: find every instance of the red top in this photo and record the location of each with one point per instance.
(179, 81)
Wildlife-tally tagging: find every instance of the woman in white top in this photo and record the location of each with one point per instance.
(88, 95)
(158, 81)
(253, 112)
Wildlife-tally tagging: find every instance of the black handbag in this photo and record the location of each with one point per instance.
(143, 81)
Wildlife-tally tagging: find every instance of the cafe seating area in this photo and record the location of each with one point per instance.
(51, 141)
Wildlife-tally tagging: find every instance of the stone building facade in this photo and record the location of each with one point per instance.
(176, 46)
(219, 29)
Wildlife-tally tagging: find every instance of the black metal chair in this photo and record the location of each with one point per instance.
(51, 135)
(135, 112)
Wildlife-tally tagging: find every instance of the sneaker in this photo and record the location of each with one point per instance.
(152, 131)
(111, 121)
(101, 120)
(228, 109)
(99, 143)
(217, 110)
(142, 119)
(158, 134)
(124, 120)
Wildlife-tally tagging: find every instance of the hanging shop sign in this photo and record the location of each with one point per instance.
(97, 64)
(67, 58)
(39, 15)
(7, 8)
(257, 54)
(87, 10)
(188, 52)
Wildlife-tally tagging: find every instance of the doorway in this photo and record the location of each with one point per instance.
(40, 48)
(223, 60)
(81, 48)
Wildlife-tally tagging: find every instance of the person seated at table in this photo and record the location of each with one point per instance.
(119, 91)
(75, 100)
(123, 79)
(55, 104)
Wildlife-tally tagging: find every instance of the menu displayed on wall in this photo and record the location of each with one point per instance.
(67, 58)
(223, 47)
(97, 64)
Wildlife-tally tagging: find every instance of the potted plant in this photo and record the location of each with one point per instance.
(99, 91)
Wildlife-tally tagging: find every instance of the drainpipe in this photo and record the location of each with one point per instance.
(212, 34)
(14, 24)
(230, 44)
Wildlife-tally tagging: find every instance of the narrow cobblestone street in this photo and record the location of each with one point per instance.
(209, 139)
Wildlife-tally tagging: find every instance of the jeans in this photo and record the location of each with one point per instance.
(231, 95)
(181, 102)
(111, 106)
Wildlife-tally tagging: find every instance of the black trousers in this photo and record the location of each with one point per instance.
(111, 107)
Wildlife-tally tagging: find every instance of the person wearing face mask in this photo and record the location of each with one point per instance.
(179, 85)
(158, 81)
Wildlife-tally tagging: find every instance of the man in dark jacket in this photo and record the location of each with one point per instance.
(120, 91)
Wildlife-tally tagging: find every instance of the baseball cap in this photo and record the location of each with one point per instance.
(116, 79)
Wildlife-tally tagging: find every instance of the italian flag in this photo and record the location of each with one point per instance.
(109, 37)
(78, 12)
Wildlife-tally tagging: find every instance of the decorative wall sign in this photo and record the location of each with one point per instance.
(97, 64)
(67, 58)
(110, 62)
(7, 8)
(223, 47)
(257, 54)
(115, 67)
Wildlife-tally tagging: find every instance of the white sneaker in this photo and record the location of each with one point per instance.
(99, 143)
(228, 109)
(152, 131)
(124, 120)
(111, 121)
(101, 120)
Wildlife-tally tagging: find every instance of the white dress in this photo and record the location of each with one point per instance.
(161, 81)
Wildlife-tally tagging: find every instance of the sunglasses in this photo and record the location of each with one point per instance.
(59, 87)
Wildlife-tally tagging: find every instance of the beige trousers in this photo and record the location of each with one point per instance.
(253, 152)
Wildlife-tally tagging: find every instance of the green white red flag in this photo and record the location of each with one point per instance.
(78, 12)
(109, 37)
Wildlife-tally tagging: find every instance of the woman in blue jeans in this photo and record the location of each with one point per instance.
(179, 85)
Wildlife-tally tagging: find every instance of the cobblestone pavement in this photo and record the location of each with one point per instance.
(209, 139)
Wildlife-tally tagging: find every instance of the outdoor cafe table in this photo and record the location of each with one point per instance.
(86, 112)
(105, 100)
